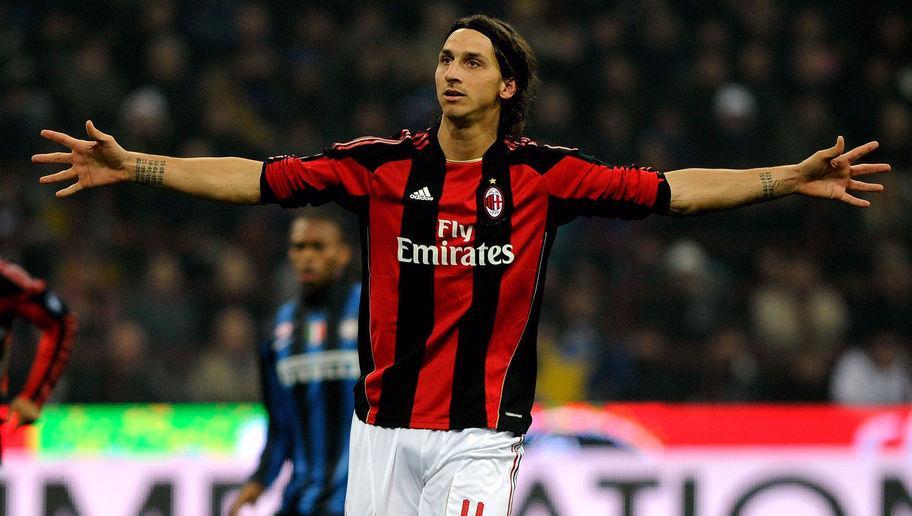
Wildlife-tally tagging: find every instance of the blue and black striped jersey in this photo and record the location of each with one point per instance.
(309, 369)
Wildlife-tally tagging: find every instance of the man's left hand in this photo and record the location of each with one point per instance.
(830, 173)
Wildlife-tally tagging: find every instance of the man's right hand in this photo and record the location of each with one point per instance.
(23, 411)
(101, 161)
(248, 495)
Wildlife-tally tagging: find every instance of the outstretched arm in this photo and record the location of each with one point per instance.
(826, 174)
(102, 161)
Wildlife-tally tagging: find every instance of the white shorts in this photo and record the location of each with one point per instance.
(405, 471)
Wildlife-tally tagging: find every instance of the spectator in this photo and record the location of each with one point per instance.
(794, 308)
(226, 372)
(877, 373)
(730, 373)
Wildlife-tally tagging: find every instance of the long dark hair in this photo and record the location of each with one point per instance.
(516, 61)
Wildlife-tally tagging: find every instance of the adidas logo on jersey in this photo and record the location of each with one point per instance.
(422, 195)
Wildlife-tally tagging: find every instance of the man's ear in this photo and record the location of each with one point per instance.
(507, 89)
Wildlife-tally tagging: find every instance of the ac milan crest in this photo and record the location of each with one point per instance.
(493, 202)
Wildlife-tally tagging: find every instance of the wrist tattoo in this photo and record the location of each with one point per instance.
(766, 179)
(150, 171)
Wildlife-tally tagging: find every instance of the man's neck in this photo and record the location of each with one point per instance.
(316, 295)
(465, 143)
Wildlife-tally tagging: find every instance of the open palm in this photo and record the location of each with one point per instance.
(97, 162)
(830, 174)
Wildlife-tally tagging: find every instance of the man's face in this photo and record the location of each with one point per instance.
(317, 252)
(469, 84)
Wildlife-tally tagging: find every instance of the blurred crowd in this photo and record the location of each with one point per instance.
(795, 300)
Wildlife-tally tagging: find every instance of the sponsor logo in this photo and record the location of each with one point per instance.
(318, 367)
(449, 254)
(422, 195)
(445, 254)
(493, 202)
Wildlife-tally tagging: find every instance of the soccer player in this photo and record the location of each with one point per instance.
(456, 225)
(309, 368)
(27, 298)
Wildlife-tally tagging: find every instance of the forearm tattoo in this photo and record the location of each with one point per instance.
(766, 179)
(150, 171)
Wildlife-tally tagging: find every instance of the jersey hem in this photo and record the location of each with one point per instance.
(519, 427)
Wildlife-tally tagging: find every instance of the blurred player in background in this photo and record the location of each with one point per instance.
(457, 222)
(309, 368)
(25, 298)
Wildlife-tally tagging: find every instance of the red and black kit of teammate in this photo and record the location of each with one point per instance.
(28, 298)
(455, 254)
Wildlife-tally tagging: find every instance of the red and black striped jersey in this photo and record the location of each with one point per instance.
(454, 255)
(28, 298)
